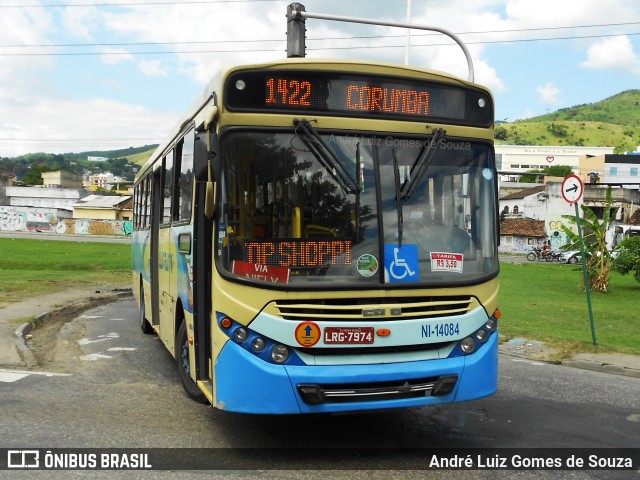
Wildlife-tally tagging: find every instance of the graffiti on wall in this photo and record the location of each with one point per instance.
(13, 220)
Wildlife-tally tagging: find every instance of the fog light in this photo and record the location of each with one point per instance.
(240, 334)
(482, 335)
(491, 325)
(280, 353)
(468, 345)
(257, 345)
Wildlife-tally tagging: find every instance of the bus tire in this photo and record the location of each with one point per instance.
(145, 326)
(182, 362)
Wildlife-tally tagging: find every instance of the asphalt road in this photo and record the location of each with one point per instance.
(122, 390)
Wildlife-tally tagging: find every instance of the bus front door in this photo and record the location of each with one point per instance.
(156, 218)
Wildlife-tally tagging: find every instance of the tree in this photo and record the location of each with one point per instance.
(500, 133)
(628, 258)
(595, 243)
(530, 178)
(34, 177)
(550, 171)
(558, 129)
(558, 170)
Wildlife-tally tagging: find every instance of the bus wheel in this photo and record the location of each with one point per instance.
(182, 362)
(145, 326)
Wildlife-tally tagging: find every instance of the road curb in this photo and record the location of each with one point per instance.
(602, 367)
(73, 309)
(534, 351)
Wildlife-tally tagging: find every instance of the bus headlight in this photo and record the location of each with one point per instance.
(257, 344)
(491, 325)
(279, 353)
(468, 345)
(482, 335)
(240, 334)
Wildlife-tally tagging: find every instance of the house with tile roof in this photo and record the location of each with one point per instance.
(520, 235)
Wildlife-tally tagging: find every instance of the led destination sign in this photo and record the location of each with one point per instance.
(295, 253)
(336, 93)
(363, 98)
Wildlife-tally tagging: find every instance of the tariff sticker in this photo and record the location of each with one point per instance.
(446, 262)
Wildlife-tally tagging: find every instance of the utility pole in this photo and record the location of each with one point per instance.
(296, 31)
(407, 47)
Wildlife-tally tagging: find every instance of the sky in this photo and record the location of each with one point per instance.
(87, 75)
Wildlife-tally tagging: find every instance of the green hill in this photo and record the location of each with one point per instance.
(613, 122)
(141, 157)
(124, 163)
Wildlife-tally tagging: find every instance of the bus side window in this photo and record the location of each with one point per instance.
(185, 179)
(168, 188)
(147, 202)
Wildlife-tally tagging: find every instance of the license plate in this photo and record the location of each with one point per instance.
(348, 335)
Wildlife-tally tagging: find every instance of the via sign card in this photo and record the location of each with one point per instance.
(572, 188)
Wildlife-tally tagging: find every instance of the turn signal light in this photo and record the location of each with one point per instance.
(226, 322)
(383, 332)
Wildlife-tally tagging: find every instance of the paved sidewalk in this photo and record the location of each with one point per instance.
(17, 319)
(14, 351)
(616, 363)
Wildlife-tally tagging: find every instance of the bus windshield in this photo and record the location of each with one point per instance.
(337, 210)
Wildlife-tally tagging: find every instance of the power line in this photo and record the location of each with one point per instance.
(367, 37)
(133, 4)
(362, 47)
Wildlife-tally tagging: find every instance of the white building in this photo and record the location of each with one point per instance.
(57, 198)
(105, 180)
(546, 203)
(513, 160)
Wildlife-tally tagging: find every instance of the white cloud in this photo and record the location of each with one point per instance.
(81, 22)
(64, 125)
(244, 31)
(113, 56)
(615, 53)
(153, 68)
(548, 93)
(181, 27)
(19, 27)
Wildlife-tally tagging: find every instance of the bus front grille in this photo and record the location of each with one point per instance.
(404, 308)
(315, 394)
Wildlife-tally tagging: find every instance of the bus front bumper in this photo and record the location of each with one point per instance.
(245, 383)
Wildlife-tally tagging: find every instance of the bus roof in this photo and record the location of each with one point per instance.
(212, 93)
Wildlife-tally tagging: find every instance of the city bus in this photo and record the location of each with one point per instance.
(320, 236)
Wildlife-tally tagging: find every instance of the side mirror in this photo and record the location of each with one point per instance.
(210, 197)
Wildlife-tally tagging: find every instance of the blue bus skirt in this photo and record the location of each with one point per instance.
(245, 383)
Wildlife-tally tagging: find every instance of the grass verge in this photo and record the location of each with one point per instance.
(29, 268)
(546, 302)
(539, 301)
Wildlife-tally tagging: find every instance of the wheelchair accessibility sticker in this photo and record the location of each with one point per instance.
(401, 263)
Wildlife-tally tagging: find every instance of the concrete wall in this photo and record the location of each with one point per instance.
(39, 220)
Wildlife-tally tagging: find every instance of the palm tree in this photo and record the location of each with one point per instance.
(595, 243)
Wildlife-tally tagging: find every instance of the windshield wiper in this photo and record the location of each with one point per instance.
(325, 156)
(396, 174)
(422, 163)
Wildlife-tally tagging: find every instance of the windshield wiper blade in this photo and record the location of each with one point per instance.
(422, 163)
(325, 156)
(396, 174)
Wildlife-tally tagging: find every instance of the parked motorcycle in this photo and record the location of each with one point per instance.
(553, 255)
(541, 254)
